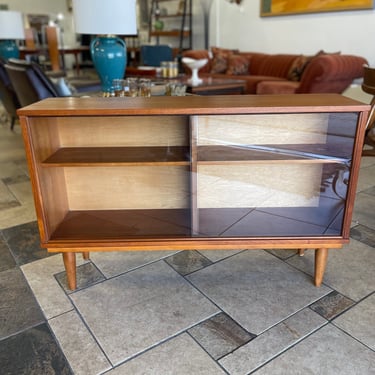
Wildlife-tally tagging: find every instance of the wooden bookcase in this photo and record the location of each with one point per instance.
(177, 22)
(213, 172)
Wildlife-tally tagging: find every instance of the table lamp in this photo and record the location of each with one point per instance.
(11, 29)
(106, 19)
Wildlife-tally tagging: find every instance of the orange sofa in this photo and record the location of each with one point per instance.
(282, 73)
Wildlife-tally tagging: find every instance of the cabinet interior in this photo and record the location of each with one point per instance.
(106, 177)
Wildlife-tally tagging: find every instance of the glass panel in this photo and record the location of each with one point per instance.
(273, 175)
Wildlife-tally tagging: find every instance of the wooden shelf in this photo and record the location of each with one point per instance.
(178, 22)
(269, 153)
(118, 225)
(173, 15)
(112, 225)
(170, 33)
(94, 156)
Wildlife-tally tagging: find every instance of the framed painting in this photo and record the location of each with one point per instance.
(284, 7)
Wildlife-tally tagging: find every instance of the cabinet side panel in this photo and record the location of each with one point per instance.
(140, 187)
(130, 131)
(263, 129)
(50, 182)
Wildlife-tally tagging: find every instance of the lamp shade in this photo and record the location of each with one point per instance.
(11, 25)
(101, 17)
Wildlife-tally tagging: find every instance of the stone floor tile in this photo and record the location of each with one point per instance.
(328, 351)
(256, 284)
(87, 274)
(33, 352)
(216, 255)
(179, 356)
(272, 342)
(10, 170)
(364, 210)
(359, 321)
(139, 309)
(22, 191)
(115, 263)
(366, 179)
(283, 253)
(187, 261)
(17, 215)
(24, 242)
(367, 161)
(7, 199)
(18, 307)
(370, 191)
(48, 292)
(81, 350)
(331, 305)
(220, 335)
(363, 234)
(6, 259)
(350, 270)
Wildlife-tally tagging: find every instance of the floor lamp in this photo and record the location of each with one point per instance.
(206, 6)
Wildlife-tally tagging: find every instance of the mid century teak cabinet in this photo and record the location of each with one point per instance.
(219, 172)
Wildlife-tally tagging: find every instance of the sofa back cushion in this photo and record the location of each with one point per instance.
(274, 65)
(237, 65)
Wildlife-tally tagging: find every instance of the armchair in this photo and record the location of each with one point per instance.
(8, 95)
(32, 84)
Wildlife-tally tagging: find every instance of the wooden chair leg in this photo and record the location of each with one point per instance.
(86, 255)
(70, 268)
(301, 252)
(321, 256)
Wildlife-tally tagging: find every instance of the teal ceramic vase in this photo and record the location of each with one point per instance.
(109, 57)
(9, 49)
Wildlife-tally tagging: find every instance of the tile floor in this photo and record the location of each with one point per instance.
(206, 312)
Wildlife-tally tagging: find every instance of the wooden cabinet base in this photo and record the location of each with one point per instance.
(321, 256)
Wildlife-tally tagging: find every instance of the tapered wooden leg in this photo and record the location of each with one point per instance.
(321, 256)
(301, 252)
(86, 255)
(70, 268)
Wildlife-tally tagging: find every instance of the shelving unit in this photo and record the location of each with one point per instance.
(177, 23)
(194, 172)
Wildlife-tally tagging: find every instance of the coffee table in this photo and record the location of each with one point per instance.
(217, 86)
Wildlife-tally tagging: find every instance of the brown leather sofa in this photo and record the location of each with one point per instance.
(282, 73)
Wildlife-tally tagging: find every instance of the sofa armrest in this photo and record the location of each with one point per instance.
(331, 73)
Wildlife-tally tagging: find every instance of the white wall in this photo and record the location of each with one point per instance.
(47, 7)
(351, 32)
(233, 26)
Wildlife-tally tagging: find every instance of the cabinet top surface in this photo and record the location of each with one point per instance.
(193, 105)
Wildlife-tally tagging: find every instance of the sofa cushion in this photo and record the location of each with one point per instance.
(276, 65)
(238, 64)
(300, 64)
(276, 87)
(219, 63)
(297, 67)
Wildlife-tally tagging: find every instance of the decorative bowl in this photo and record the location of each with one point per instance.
(194, 65)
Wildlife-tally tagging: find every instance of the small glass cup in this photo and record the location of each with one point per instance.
(172, 69)
(118, 87)
(175, 88)
(131, 87)
(164, 69)
(144, 87)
